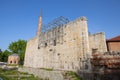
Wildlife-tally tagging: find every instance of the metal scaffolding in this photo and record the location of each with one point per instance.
(52, 33)
(55, 23)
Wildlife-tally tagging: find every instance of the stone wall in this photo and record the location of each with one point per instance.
(31, 52)
(67, 49)
(97, 42)
(44, 74)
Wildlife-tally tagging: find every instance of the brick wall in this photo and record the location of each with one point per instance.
(113, 46)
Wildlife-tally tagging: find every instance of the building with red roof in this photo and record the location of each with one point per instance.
(113, 44)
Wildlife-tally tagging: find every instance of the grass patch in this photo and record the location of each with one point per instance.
(47, 69)
(73, 75)
(21, 66)
(12, 64)
(16, 75)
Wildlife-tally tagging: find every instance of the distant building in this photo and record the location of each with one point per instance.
(13, 59)
(113, 44)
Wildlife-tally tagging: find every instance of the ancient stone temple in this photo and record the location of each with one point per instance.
(63, 45)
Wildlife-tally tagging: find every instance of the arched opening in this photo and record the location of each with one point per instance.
(14, 62)
(10, 62)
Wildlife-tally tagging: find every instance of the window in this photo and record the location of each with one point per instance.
(50, 50)
(58, 54)
(45, 44)
(94, 50)
(54, 42)
(38, 47)
(86, 66)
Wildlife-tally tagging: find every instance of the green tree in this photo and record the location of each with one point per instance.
(18, 47)
(0, 55)
(5, 55)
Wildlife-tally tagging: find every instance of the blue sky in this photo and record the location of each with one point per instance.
(19, 18)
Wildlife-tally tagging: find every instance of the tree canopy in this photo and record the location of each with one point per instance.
(0, 55)
(18, 47)
(4, 55)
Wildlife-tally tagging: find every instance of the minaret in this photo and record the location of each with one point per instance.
(39, 24)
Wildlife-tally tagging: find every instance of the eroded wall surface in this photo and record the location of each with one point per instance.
(67, 47)
(97, 42)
